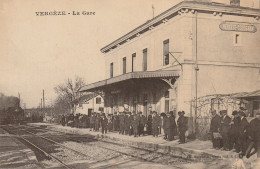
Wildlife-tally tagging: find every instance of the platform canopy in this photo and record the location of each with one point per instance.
(131, 76)
(255, 95)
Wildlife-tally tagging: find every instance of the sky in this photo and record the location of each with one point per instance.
(40, 52)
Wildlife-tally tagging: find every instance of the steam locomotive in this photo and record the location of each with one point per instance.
(12, 115)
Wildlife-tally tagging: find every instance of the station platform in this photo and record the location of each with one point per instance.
(193, 149)
(14, 154)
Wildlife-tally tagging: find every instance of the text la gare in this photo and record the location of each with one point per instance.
(82, 13)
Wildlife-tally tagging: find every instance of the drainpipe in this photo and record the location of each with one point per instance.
(196, 71)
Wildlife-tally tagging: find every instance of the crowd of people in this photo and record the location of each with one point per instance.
(132, 124)
(236, 132)
(228, 133)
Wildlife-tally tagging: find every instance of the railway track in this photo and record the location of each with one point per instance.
(131, 152)
(41, 149)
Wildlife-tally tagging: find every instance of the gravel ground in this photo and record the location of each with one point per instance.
(103, 154)
(104, 151)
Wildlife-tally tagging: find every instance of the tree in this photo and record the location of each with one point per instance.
(67, 92)
(62, 105)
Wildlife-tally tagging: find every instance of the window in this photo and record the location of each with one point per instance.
(111, 69)
(235, 2)
(124, 65)
(98, 100)
(237, 39)
(133, 61)
(167, 102)
(166, 94)
(145, 59)
(167, 105)
(166, 52)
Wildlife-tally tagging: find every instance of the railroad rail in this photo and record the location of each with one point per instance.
(40, 149)
(119, 148)
(123, 145)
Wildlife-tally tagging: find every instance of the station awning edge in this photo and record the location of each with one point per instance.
(131, 75)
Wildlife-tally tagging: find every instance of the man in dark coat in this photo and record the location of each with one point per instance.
(156, 122)
(115, 122)
(254, 136)
(142, 123)
(97, 122)
(135, 125)
(182, 126)
(234, 132)
(84, 121)
(131, 117)
(110, 122)
(170, 126)
(149, 124)
(243, 133)
(164, 121)
(121, 122)
(127, 123)
(214, 129)
(104, 123)
(225, 129)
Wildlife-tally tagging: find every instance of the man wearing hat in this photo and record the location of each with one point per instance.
(243, 132)
(170, 126)
(156, 122)
(110, 122)
(225, 129)
(135, 124)
(142, 123)
(164, 125)
(121, 122)
(115, 121)
(234, 131)
(182, 126)
(214, 129)
(254, 136)
(97, 122)
(127, 123)
(104, 123)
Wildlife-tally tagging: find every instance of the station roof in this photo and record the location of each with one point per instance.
(85, 98)
(173, 11)
(255, 95)
(131, 75)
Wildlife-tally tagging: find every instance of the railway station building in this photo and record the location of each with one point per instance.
(193, 49)
(88, 103)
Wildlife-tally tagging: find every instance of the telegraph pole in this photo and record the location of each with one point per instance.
(41, 104)
(43, 100)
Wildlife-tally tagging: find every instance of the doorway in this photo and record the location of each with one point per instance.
(90, 111)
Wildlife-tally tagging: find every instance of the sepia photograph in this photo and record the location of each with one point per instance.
(130, 84)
